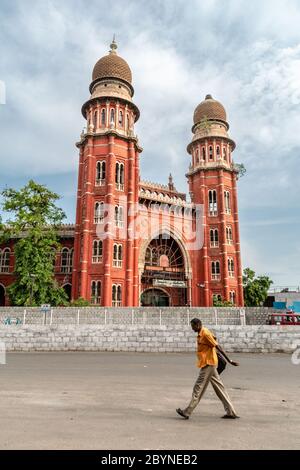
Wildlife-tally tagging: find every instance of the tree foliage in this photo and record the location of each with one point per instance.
(241, 169)
(222, 303)
(34, 228)
(255, 288)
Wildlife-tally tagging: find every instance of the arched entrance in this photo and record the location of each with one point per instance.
(155, 298)
(2, 296)
(68, 290)
(164, 279)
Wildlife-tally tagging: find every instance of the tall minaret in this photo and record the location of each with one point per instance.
(104, 255)
(212, 180)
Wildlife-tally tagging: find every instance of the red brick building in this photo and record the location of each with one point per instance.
(140, 243)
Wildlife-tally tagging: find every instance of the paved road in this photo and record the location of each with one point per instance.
(128, 401)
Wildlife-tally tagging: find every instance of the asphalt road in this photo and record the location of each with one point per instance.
(128, 400)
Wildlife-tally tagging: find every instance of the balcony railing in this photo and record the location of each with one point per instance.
(66, 269)
(4, 269)
(100, 182)
(117, 263)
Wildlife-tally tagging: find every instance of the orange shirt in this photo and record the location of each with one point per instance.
(206, 353)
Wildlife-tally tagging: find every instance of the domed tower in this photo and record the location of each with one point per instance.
(104, 256)
(212, 180)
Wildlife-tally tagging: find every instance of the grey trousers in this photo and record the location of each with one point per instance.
(209, 374)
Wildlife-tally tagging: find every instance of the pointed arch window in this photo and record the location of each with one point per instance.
(112, 116)
(214, 238)
(100, 173)
(119, 216)
(97, 251)
(215, 271)
(229, 238)
(212, 202)
(99, 212)
(203, 154)
(224, 153)
(96, 292)
(95, 118)
(103, 117)
(120, 176)
(4, 260)
(116, 295)
(230, 267)
(210, 152)
(117, 255)
(227, 202)
(218, 151)
(121, 120)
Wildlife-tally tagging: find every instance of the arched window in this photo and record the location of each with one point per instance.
(112, 116)
(121, 118)
(120, 176)
(117, 256)
(197, 156)
(218, 151)
(230, 267)
(203, 154)
(224, 153)
(100, 173)
(97, 251)
(96, 292)
(214, 238)
(95, 120)
(229, 239)
(212, 202)
(232, 297)
(66, 260)
(116, 295)
(99, 212)
(103, 117)
(227, 202)
(127, 122)
(119, 216)
(210, 151)
(215, 271)
(4, 260)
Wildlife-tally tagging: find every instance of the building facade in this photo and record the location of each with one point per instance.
(140, 243)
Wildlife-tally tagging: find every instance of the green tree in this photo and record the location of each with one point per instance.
(80, 303)
(222, 303)
(255, 288)
(34, 227)
(241, 169)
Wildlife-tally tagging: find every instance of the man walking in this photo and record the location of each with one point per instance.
(208, 362)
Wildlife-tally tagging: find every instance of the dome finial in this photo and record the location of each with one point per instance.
(208, 97)
(113, 46)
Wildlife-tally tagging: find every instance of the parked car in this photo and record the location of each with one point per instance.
(285, 318)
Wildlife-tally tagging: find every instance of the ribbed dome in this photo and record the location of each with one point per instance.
(209, 109)
(112, 66)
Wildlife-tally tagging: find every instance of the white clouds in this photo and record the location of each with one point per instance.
(246, 54)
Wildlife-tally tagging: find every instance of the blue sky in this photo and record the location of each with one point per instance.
(246, 54)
